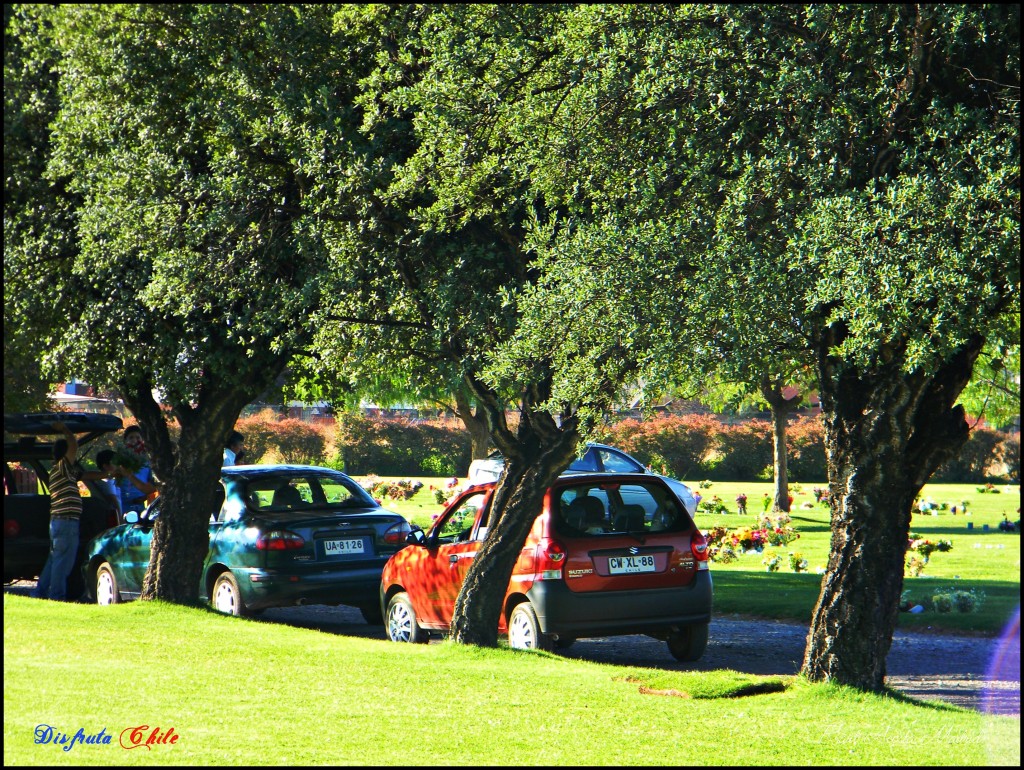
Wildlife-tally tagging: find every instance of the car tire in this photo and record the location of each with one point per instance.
(688, 644)
(401, 621)
(107, 591)
(372, 614)
(227, 596)
(524, 629)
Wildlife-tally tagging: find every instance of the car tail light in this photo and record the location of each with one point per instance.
(396, 535)
(11, 528)
(279, 540)
(699, 546)
(550, 560)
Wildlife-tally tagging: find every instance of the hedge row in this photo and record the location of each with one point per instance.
(688, 447)
(703, 447)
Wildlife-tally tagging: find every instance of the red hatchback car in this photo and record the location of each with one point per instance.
(610, 554)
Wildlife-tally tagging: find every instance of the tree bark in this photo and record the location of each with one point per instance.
(516, 504)
(187, 477)
(181, 537)
(886, 432)
(476, 424)
(534, 457)
(781, 409)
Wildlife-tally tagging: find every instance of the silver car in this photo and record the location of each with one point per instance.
(599, 458)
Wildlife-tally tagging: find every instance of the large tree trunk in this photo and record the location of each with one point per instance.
(781, 408)
(475, 422)
(886, 432)
(534, 457)
(187, 476)
(181, 537)
(516, 504)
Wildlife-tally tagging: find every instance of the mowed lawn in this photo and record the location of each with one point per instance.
(245, 692)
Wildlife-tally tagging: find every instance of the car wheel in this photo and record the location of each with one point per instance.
(227, 597)
(106, 586)
(524, 629)
(688, 643)
(372, 614)
(401, 621)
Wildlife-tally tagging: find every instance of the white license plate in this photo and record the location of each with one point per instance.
(343, 547)
(624, 565)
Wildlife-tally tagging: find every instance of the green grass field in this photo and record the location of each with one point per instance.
(981, 559)
(244, 692)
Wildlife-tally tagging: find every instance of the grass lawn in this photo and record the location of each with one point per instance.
(981, 559)
(242, 692)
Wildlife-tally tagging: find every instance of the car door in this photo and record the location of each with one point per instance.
(135, 551)
(454, 541)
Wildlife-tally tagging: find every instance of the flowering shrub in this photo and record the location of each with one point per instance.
(720, 547)
(443, 495)
(961, 600)
(402, 489)
(772, 561)
(725, 545)
(714, 505)
(400, 446)
(920, 549)
(797, 562)
(676, 445)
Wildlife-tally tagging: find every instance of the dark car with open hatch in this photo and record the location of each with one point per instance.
(28, 458)
(281, 535)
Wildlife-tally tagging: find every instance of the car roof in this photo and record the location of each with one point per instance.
(590, 445)
(41, 423)
(274, 469)
(579, 479)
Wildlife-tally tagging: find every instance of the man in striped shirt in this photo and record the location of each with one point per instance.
(65, 512)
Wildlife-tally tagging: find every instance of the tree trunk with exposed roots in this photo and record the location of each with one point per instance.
(886, 432)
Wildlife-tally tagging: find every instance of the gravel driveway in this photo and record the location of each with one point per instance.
(929, 666)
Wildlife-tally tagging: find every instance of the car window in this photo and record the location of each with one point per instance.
(457, 524)
(615, 462)
(589, 462)
(300, 492)
(607, 508)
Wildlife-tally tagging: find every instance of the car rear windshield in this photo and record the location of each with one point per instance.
(304, 493)
(611, 508)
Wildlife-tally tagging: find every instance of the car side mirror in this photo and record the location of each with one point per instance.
(416, 537)
(131, 517)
